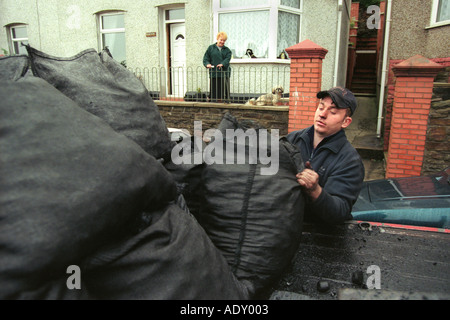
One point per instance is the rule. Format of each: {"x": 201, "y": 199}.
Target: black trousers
{"x": 219, "y": 88}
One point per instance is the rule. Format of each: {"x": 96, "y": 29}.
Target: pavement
{"x": 362, "y": 135}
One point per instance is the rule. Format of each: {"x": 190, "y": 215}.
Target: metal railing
{"x": 239, "y": 85}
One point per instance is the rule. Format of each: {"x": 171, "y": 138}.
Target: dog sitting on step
{"x": 270, "y": 99}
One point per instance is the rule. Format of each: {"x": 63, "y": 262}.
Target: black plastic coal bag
{"x": 186, "y": 165}
{"x": 171, "y": 258}
{"x": 105, "y": 88}
{"x": 68, "y": 184}
{"x": 252, "y": 206}
{"x": 13, "y": 67}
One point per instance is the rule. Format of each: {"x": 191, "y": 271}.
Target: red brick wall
{"x": 409, "y": 126}
{"x": 305, "y": 82}
{"x": 410, "y": 114}
{"x": 354, "y": 16}
{"x": 390, "y": 94}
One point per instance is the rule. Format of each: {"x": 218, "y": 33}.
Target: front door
{"x": 178, "y": 59}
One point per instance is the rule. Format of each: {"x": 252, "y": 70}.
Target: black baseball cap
{"x": 342, "y": 98}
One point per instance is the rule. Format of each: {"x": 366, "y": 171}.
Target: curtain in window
{"x": 240, "y": 3}
{"x": 443, "y": 10}
{"x": 113, "y": 21}
{"x": 19, "y": 32}
{"x": 113, "y": 37}
{"x": 291, "y": 3}
{"x": 19, "y": 49}
{"x": 246, "y": 30}
{"x": 116, "y": 45}
{"x": 288, "y": 29}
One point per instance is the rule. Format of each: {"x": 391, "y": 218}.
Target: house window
{"x": 18, "y": 35}
{"x": 266, "y": 27}
{"x": 175, "y": 14}
{"x": 112, "y": 34}
{"x": 440, "y": 13}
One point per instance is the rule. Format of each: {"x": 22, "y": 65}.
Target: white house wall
{"x": 320, "y": 26}
{"x": 64, "y": 28}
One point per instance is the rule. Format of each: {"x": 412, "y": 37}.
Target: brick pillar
{"x": 305, "y": 81}
{"x": 409, "y": 123}
{"x": 354, "y": 18}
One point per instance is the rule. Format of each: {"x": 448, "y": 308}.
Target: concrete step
{"x": 374, "y": 169}
{"x": 363, "y": 89}
{"x": 363, "y": 82}
{"x": 370, "y": 90}
{"x": 365, "y": 74}
{"x": 366, "y": 44}
{"x": 362, "y": 135}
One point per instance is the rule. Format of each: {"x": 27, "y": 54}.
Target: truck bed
{"x": 332, "y": 263}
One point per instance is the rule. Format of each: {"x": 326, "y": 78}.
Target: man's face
{"x": 221, "y": 42}
{"x": 329, "y": 119}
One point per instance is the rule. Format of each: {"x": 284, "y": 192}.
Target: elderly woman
{"x": 217, "y": 59}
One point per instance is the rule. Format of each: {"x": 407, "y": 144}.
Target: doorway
{"x": 177, "y": 59}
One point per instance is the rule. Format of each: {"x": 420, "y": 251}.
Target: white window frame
{"x": 108, "y": 31}
{"x": 13, "y": 40}
{"x": 273, "y": 7}
{"x": 434, "y": 11}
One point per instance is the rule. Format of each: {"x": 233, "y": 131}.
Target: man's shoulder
{"x": 297, "y": 136}
{"x": 298, "y": 133}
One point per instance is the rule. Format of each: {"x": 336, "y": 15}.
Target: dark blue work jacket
{"x": 341, "y": 174}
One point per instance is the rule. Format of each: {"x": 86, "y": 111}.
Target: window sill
{"x": 438, "y": 24}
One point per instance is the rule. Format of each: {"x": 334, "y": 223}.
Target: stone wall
{"x": 437, "y": 147}
{"x": 182, "y": 115}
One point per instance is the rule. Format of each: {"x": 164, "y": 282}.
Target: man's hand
{"x": 309, "y": 180}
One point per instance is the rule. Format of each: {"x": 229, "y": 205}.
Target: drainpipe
{"x": 384, "y": 68}
{"x": 338, "y": 43}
